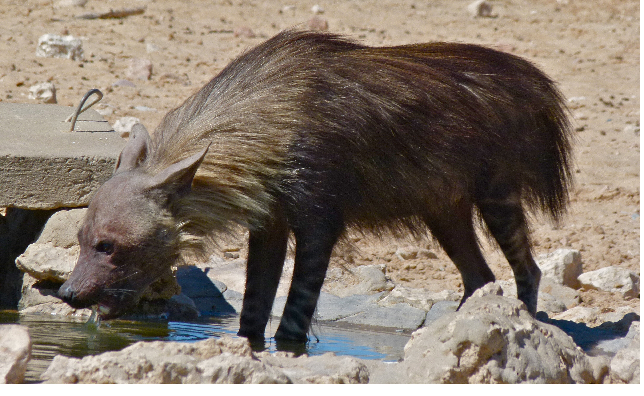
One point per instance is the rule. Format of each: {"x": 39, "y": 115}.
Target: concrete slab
{"x": 43, "y": 165}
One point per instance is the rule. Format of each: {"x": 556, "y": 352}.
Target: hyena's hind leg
{"x": 504, "y": 215}
{"x": 454, "y": 230}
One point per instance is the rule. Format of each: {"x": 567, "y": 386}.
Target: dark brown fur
{"x": 310, "y": 133}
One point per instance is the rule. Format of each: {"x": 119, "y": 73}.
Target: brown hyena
{"x": 310, "y": 134}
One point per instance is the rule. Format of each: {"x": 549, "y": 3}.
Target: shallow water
{"x": 51, "y": 336}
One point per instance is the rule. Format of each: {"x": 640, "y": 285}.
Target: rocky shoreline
{"x": 492, "y": 339}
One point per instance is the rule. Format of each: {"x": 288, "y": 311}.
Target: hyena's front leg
{"x": 314, "y": 244}
{"x": 266, "y": 254}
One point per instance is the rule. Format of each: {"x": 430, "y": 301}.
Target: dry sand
{"x": 590, "y": 48}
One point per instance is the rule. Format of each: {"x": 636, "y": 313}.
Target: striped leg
{"x": 314, "y": 245}
{"x": 454, "y": 231}
{"x": 266, "y": 254}
{"x": 503, "y": 213}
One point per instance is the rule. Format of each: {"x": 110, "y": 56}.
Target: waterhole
{"x": 51, "y": 336}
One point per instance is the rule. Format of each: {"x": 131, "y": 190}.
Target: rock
{"x": 554, "y": 297}
{"x": 617, "y": 314}
{"x": 43, "y": 92}
{"x": 224, "y": 360}
{"x": 578, "y": 314}
{"x": 144, "y": 108}
{"x": 123, "y": 126}
{"x": 123, "y": 83}
{"x": 426, "y": 254}
{"x": 287, "y": 8}
{"x": 604, "y": 339}
{"x": 332, "y": 308}
{"x": 339, "y": 281}
{"x": 491, "y": 288}
{"x": 230, "y": 272}
{"x": 235, "y": 299}
{"x": 15, "y": 352}
{"x": 371, "y": 279}
{"x": 614, "y": 280}
{"x": 318, "y": 23}
{"x": 175, "y": 78}
{"x": 325, "y": 369}
{"x": 70, "y": 3}
{"x": 417, "y": 298}
{"x": 440, "y": 309}
{"x": 151, "y": 47}
{"x": 363, "y": 279}
{"x": 244, "y": 32}
{"x": 317, "y": 9}
{"x": 40, "y": 297}
{"x": 563, "y": 295}
{"x": 399, "y": 316}
{"x": 62, "y": 227}
{"x": 445, "y": 295}
{"x": 55, "y": 46}
{"x": 550, "y": 304}
{"x": 616, "y": 337}
{"x": 182, "y": 307}
{"x": 231, "y": 369}
{"x": 480, "y": 9}
{"x": 406, "y": 253}
{"x": 48, "y": 262}
{"x": 44, "y": 261}
{"x": 562, "y": 265}
{"x": 625, "y": 365}
{"x": 139, "y": 68}
{"x": 411, "y": 252}
{"x": 631, "y": 129}
{"x": 493, "y": 339}
{"x": 53, "y": 256}
{"x": 203, "y": 291}
{"x": 231, "y": 255}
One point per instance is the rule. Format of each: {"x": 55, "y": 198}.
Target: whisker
{"x": 121, "y": 291}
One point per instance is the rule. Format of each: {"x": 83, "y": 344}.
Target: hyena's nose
{"x": 67, "y": 293}
{"x": 75, "y": 296}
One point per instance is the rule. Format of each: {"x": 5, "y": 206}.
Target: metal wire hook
{"x": 80, "y": 108}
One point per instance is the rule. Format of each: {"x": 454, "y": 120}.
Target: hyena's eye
{"x": 105, "y": 247}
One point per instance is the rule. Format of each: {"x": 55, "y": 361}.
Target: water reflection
{"x": 52, "y": 335}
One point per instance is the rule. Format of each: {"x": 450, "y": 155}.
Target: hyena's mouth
{"x": 103, "y": 310}
{"x": 109, "y": 309}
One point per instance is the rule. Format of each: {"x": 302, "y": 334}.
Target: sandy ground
{"x": 590, "y": 48}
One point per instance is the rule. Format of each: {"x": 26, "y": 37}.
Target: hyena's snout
{"x": 69, "y": 293}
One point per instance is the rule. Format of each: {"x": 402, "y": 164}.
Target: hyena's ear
{"x": 135, "y": 151}
{"x": 175, "y": 181}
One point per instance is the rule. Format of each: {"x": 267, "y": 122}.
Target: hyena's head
{"x": 128, "y": 238}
